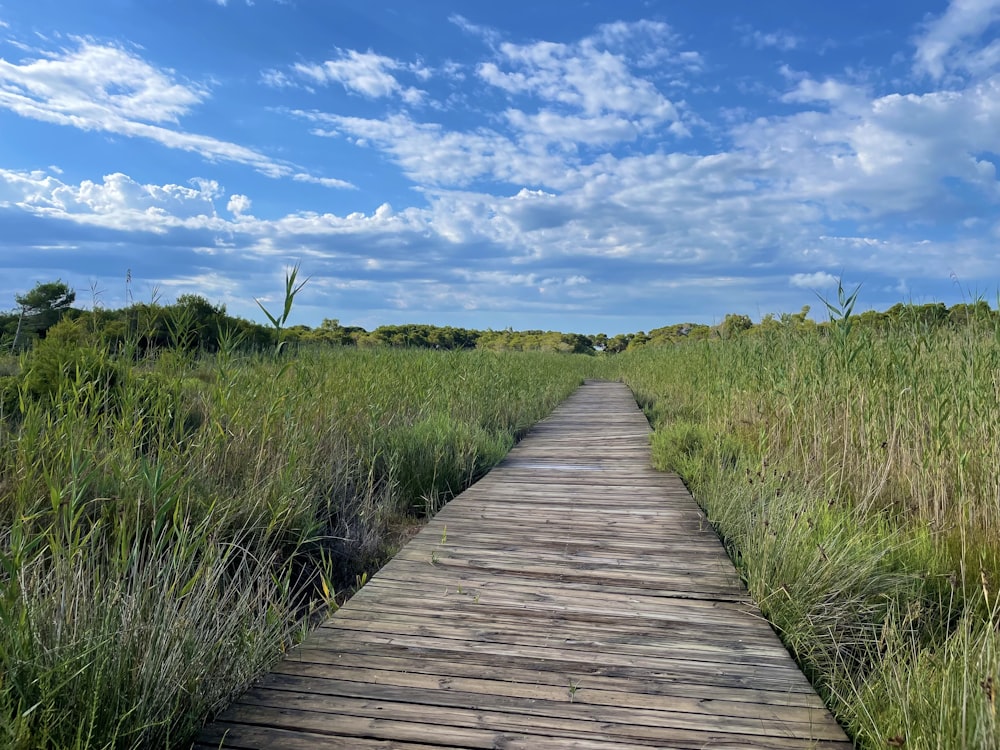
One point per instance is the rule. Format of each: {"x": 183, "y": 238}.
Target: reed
{"x": 853, "y": 478}
{"x": 170, "y": 525}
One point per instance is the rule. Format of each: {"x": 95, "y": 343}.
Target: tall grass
{"x": 854, "y": 478}
{"x": 169, "y": 526}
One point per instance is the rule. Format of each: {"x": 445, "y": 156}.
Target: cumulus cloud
{"x": 591, "y": 91}
{"x": 569, "y": 129}
{"x": 867, "y": 157}
{"x": 570, "y": 97}
{"x": 116, "y": 202}
{"x": 96, "y": 85}
{"x": 238, "y": 205}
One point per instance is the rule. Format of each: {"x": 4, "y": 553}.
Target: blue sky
{"x": 574, "y": 166}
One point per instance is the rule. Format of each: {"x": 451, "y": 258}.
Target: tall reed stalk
{"x": 170, "y": 525}
{"x": 854, "y": 478}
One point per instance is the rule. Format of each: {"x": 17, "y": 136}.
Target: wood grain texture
{"x": 573, "y": 598}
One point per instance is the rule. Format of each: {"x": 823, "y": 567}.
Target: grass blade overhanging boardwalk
{"x": 573, "y": 598}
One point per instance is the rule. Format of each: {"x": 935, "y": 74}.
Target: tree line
{"x": 191, "y": 322}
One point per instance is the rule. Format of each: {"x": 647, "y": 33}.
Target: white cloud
{"x": 828, "y": 91}
{"x": 588, "y": 92}
{"x": 583, "y": 76}
{"x": 648, "y": 44}
{"x": 429, "y": 153}
{"x": 117, "y": 202}
{"x": 107, "y": 88}
{"x": 365, "y": 73}
{"x": 330, "y": 182}
{"x": 946, "y": 40}
{"x": 211, "y": 285}
{"x": 238, "y": 205}
{"x": 818, "y": 279}
{"x": 276, "y": 79}
{"x": 762, "y": 204}
{"x": 96, "y": 84}
{"x": 568, "y": 129}
{"x": 783, "y": 41}
{"x": 538, "y": 198}
{"x": 487, "y": 34}
{"x": 875, "y": 157}
{"x": 590, "y": 97}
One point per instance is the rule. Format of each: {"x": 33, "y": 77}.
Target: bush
{"x": 66, "y": 362}
{"x": 58, "y": 367}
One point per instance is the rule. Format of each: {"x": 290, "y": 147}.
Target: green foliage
{"x": 159, "y": 551}
{"x": 292, "y": 288}
{"x": 53, "y": 296}
{"x": 60, "y": 367}
{"x": 9, "y": 396}
{"x": 40, "y": 309}
{"x": 853, "y": 477}
{"x": 734, "y": 325}
{"x": 535, "y": 341}
{"x": 437, "y": 457}
{"x": 46, "y": 302}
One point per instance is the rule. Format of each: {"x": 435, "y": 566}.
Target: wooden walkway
{"x": 573, "y": 598}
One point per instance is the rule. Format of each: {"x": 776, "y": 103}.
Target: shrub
{"x": 58, "y": 367}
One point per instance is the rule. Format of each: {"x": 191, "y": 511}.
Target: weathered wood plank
{"x": 573, "y": 598}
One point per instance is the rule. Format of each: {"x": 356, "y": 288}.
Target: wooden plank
{"x": 573, "y": 598}
{"x": 437, "y": 676}
{"x": 552, "y": 706}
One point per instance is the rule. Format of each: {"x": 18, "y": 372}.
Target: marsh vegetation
{"x": 171, "y": 524}
{"x": 182, "y": 497}
{"x": 854, "y": 478}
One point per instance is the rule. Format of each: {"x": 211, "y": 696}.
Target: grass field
{"x": 169, "y": 527}
{"x": 854, "y": 478}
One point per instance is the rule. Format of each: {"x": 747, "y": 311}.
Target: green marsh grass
{"x": 854, "y": 479}
{"x": 170, "y": 525}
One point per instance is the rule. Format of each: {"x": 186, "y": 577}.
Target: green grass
{"x": 170, "y": 526}
{"x": 854, "y": 479}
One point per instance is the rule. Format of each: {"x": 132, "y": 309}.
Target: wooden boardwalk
{"x": 573, "y": 598}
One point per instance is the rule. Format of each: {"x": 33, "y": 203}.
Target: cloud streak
{"x": 108, "y": 88}
{"x": 947, "y": 42}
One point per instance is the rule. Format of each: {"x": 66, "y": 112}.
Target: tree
{"x": 42, "y": 307}
{"x": 618, "y": 343}
{"x": 734, "y": 324}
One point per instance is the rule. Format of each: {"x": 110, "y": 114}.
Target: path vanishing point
{"x": 572, "y": 598}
